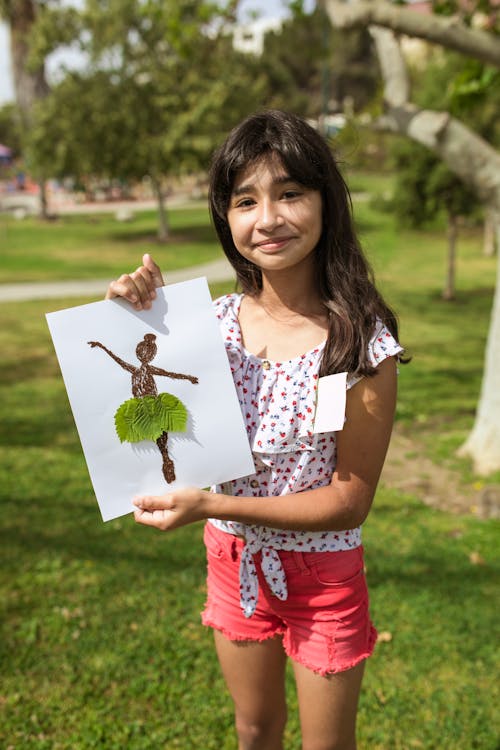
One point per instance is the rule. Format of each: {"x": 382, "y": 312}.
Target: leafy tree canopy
{"x": 158, "y": 93}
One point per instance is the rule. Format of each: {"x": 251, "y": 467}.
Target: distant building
{"x": 249, "y": 37}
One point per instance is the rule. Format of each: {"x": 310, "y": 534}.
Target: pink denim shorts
{"x": 324, "y": 623}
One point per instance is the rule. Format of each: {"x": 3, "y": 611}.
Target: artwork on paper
{"x": 152, "y": 395}
{"x": 149, "y": 415}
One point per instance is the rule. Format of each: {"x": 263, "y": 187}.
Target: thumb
{"x": 154, "y": 269}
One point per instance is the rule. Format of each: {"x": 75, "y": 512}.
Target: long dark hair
{"x": 343, "y": 276}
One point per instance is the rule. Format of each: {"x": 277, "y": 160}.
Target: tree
{"x": 35, "y": 29}
{"x": 157, "y": 95}
{"x": 312, "y": 71}
{"x": 30, "y": 84}
{"x": 10, "y": 128}
{"x": 424, "y": 188}
{"x": 466, "y": 153}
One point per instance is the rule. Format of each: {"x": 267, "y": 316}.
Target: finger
{"x": 123, "y": 287}
{"x": 145, "y": 286}
{"x": 157, "y": 518}
{"x": 154, "y": 269}
{"x": 153, "y": 502}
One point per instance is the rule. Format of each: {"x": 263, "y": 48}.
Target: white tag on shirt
{"x": 330, "y": 405}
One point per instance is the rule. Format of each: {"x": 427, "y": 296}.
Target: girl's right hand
{"x": 139, "y": 287}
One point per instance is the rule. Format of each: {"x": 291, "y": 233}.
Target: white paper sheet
{"x": 213, "y": 449}
{"x": 330, "y": 407}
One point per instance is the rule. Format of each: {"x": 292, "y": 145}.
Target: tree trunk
{"x": 30, "y": 85}
{"x": 43, "y": 207}
{"x": 483, "y": 443}
{"x": 449, "y": 288}
{"x": 489, "y": 236}
{"x": 163, "y": 226}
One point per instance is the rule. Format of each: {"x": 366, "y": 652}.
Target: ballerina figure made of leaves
{"x": 149, "y": 415}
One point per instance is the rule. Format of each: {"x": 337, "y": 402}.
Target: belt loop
{"x": 301, "y": 563}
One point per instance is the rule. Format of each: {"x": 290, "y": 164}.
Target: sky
{"x": 266, "y": 8}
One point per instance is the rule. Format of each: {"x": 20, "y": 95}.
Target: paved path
{"x": 217, "y": 270}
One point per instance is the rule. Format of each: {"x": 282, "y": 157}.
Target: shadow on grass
{"x": 449, "y": 576}
{"x": 120, "y": 545}
{"x": 438, "y": 554}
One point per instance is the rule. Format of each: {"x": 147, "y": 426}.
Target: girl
{"x": 285, "y": 563}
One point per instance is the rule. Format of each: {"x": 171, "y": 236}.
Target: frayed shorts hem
{"x": 237, "y": 637}
{"x": 324, "y": 622}
{"x": 323, "y": 670}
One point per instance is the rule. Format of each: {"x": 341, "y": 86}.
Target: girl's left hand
{"x": 172, "y": 510}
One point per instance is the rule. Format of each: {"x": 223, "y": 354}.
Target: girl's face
{"x": 275, "y": 222}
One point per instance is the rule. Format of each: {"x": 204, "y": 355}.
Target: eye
{"x": 291, "y": 193}
{"x": 244, "y": 203}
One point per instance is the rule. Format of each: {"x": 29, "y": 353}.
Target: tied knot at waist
{"x": 269, "y": 542}
{"x": 272, "y": 570}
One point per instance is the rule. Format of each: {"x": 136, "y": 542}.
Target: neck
{"x": 294, "y": 291}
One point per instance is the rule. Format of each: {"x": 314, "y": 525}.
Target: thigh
{"x": 255, "y": 675}
{"x": 327, "y": 611}
{"x": 328, "y": 706}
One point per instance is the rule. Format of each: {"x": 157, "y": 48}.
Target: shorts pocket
{"x": 213, "y": 543}
{"x": 336, "y": 569}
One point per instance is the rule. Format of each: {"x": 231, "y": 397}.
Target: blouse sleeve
{"x": 381, "y": 346}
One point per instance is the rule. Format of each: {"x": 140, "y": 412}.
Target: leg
{"x": 328, "y": 706}
{"x": 168, "y": 464}
{"x": 255, "y": 675}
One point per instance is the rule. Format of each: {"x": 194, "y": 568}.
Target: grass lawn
{"x": 101, "y": 644}
{"x": 97, "y": 246}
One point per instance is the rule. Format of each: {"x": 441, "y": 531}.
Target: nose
{"x": 269, "y": 216}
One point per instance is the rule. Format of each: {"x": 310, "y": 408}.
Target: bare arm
{"x": 139, "y": 287}
{"x": 121, "y": 362}
{"x": 343, "y": 504}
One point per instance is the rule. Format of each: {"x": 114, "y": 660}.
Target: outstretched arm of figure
{"x": 121, "y": 362}
{"x": 176, "y": 375}
{"x": 342, "y": 504}
{"x": 138, "y": 287}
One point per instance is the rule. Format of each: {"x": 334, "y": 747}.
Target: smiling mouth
{"x": 272, "y": 243}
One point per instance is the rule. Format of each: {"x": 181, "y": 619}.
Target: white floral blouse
{"x": 278, "y": 401}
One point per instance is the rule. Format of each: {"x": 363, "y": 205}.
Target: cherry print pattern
{"x": 278, "y": 401}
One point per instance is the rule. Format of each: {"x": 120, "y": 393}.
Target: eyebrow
{"x": 249, "y": 188}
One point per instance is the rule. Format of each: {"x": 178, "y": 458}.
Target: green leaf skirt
{"x": 148, "y": 417}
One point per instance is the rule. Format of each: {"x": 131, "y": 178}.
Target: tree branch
{"x": 446, "y": 31}
{"x": 466, "y": 154}
{"x": 392, "y": 66}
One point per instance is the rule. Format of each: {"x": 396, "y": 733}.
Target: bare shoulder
{"x": 377, "y": 393}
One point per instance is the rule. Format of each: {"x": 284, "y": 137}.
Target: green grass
{"x": 97, "y": 246}
{"x": 100, "y": 641}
